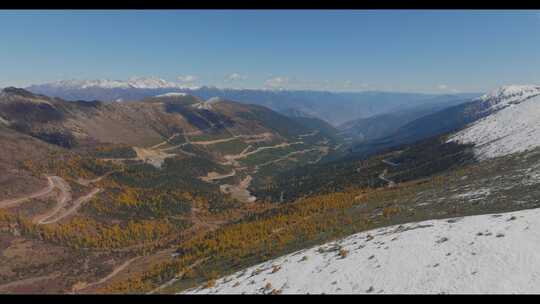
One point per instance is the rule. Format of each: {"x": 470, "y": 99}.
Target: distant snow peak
{"x": 507, "y": 95}
{"x": 509, "y": 91}
{"x": 513, "y": 128}
{"x": 132, "y": 82}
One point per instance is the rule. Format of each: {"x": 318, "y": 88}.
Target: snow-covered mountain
{"x": 513, "y": 123}
{"x": 508, "y": 95}
{"x": 489, "y": 111}
{"x": 133, "y": 82}
{"x": 492, "y": 253}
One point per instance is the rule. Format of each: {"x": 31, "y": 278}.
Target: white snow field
{"x": 515, "y": 127}
{"x": 493, "y": 253}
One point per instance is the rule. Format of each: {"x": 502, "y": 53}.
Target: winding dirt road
{"x": 64, "y": 198}
{"x": 55, "y": 216}
{"x": 382, "y": 175}
{"x": 15, "y": 201}
{"x": 115, "y": 271}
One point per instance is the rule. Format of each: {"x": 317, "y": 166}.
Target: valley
{"x": 179, "y": 195}
{"x": 269, "y": 152}
{"x": 128, "y": 195}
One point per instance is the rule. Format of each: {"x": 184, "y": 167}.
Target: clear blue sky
{"x": 422, "y": 51}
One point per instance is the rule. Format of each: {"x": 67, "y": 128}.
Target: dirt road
{"x": 309, "y": 134}
{"x": 15, "y": 201}
{"x": 79, "y": 287}
{"x": 382, "y": 176}
{"x": 211, "y": 142}
{"x": 212, "y": 176}
{"x": 87, "y": 182}
{"x": 64, "y": 198}
{"x": 178, "y": 276}
{"x": 259, "y": 149}
{"x": 56, "y": 216}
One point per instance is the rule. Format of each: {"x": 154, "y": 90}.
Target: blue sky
{"x": 420, "y": 51}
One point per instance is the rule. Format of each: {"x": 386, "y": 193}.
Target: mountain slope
{"x": 504, "y": 121}
{"x": 514, "y": 127}
{"x": 138, "y": 122}
{"x": 450, "y": 119}
{"x": 229, "y": 136}
{"x": 115, "y": 187}
{"x": 476, "y": 254}
{"x": 382, "y": 125}
{"x": 429, "y": 179}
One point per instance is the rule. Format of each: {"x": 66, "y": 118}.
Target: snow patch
{"x": 474, "y": 254}
{"x": 172, "y": 94}
{"x": 4, "y": 121}
{"x": 474, "y": 195}
{"x": 207, "y": 105}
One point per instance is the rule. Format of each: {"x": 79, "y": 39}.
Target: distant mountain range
{"x": 382, "y": 125}
{"x": 333, "y": 107}
{"x": 450, "y": 119}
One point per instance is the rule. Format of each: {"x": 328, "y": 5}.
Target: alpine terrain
{"x": 467, "y": 227}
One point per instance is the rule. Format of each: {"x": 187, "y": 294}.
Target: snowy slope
{"x": 513, "y": 126}
{"x": 508, "y": 95}
{"x": 477, "y": 254}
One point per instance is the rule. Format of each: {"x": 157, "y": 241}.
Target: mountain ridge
{"x": 334, "y": 107}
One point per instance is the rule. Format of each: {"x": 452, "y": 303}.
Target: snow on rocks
{"x": 474, "y": 195}
{"x": 207, "y": 105}
{"x": 495, "y": 253}
{"x": 514, "y": 128}
{"x": 507, "y": 95}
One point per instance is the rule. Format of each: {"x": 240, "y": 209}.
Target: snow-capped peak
{"x": 512, "y": 124}
{"x": 133, "y": 82}
{"x": 172, "y": 94}
{"x": 150, "y": 83}
{"x": 507, "y": 95}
